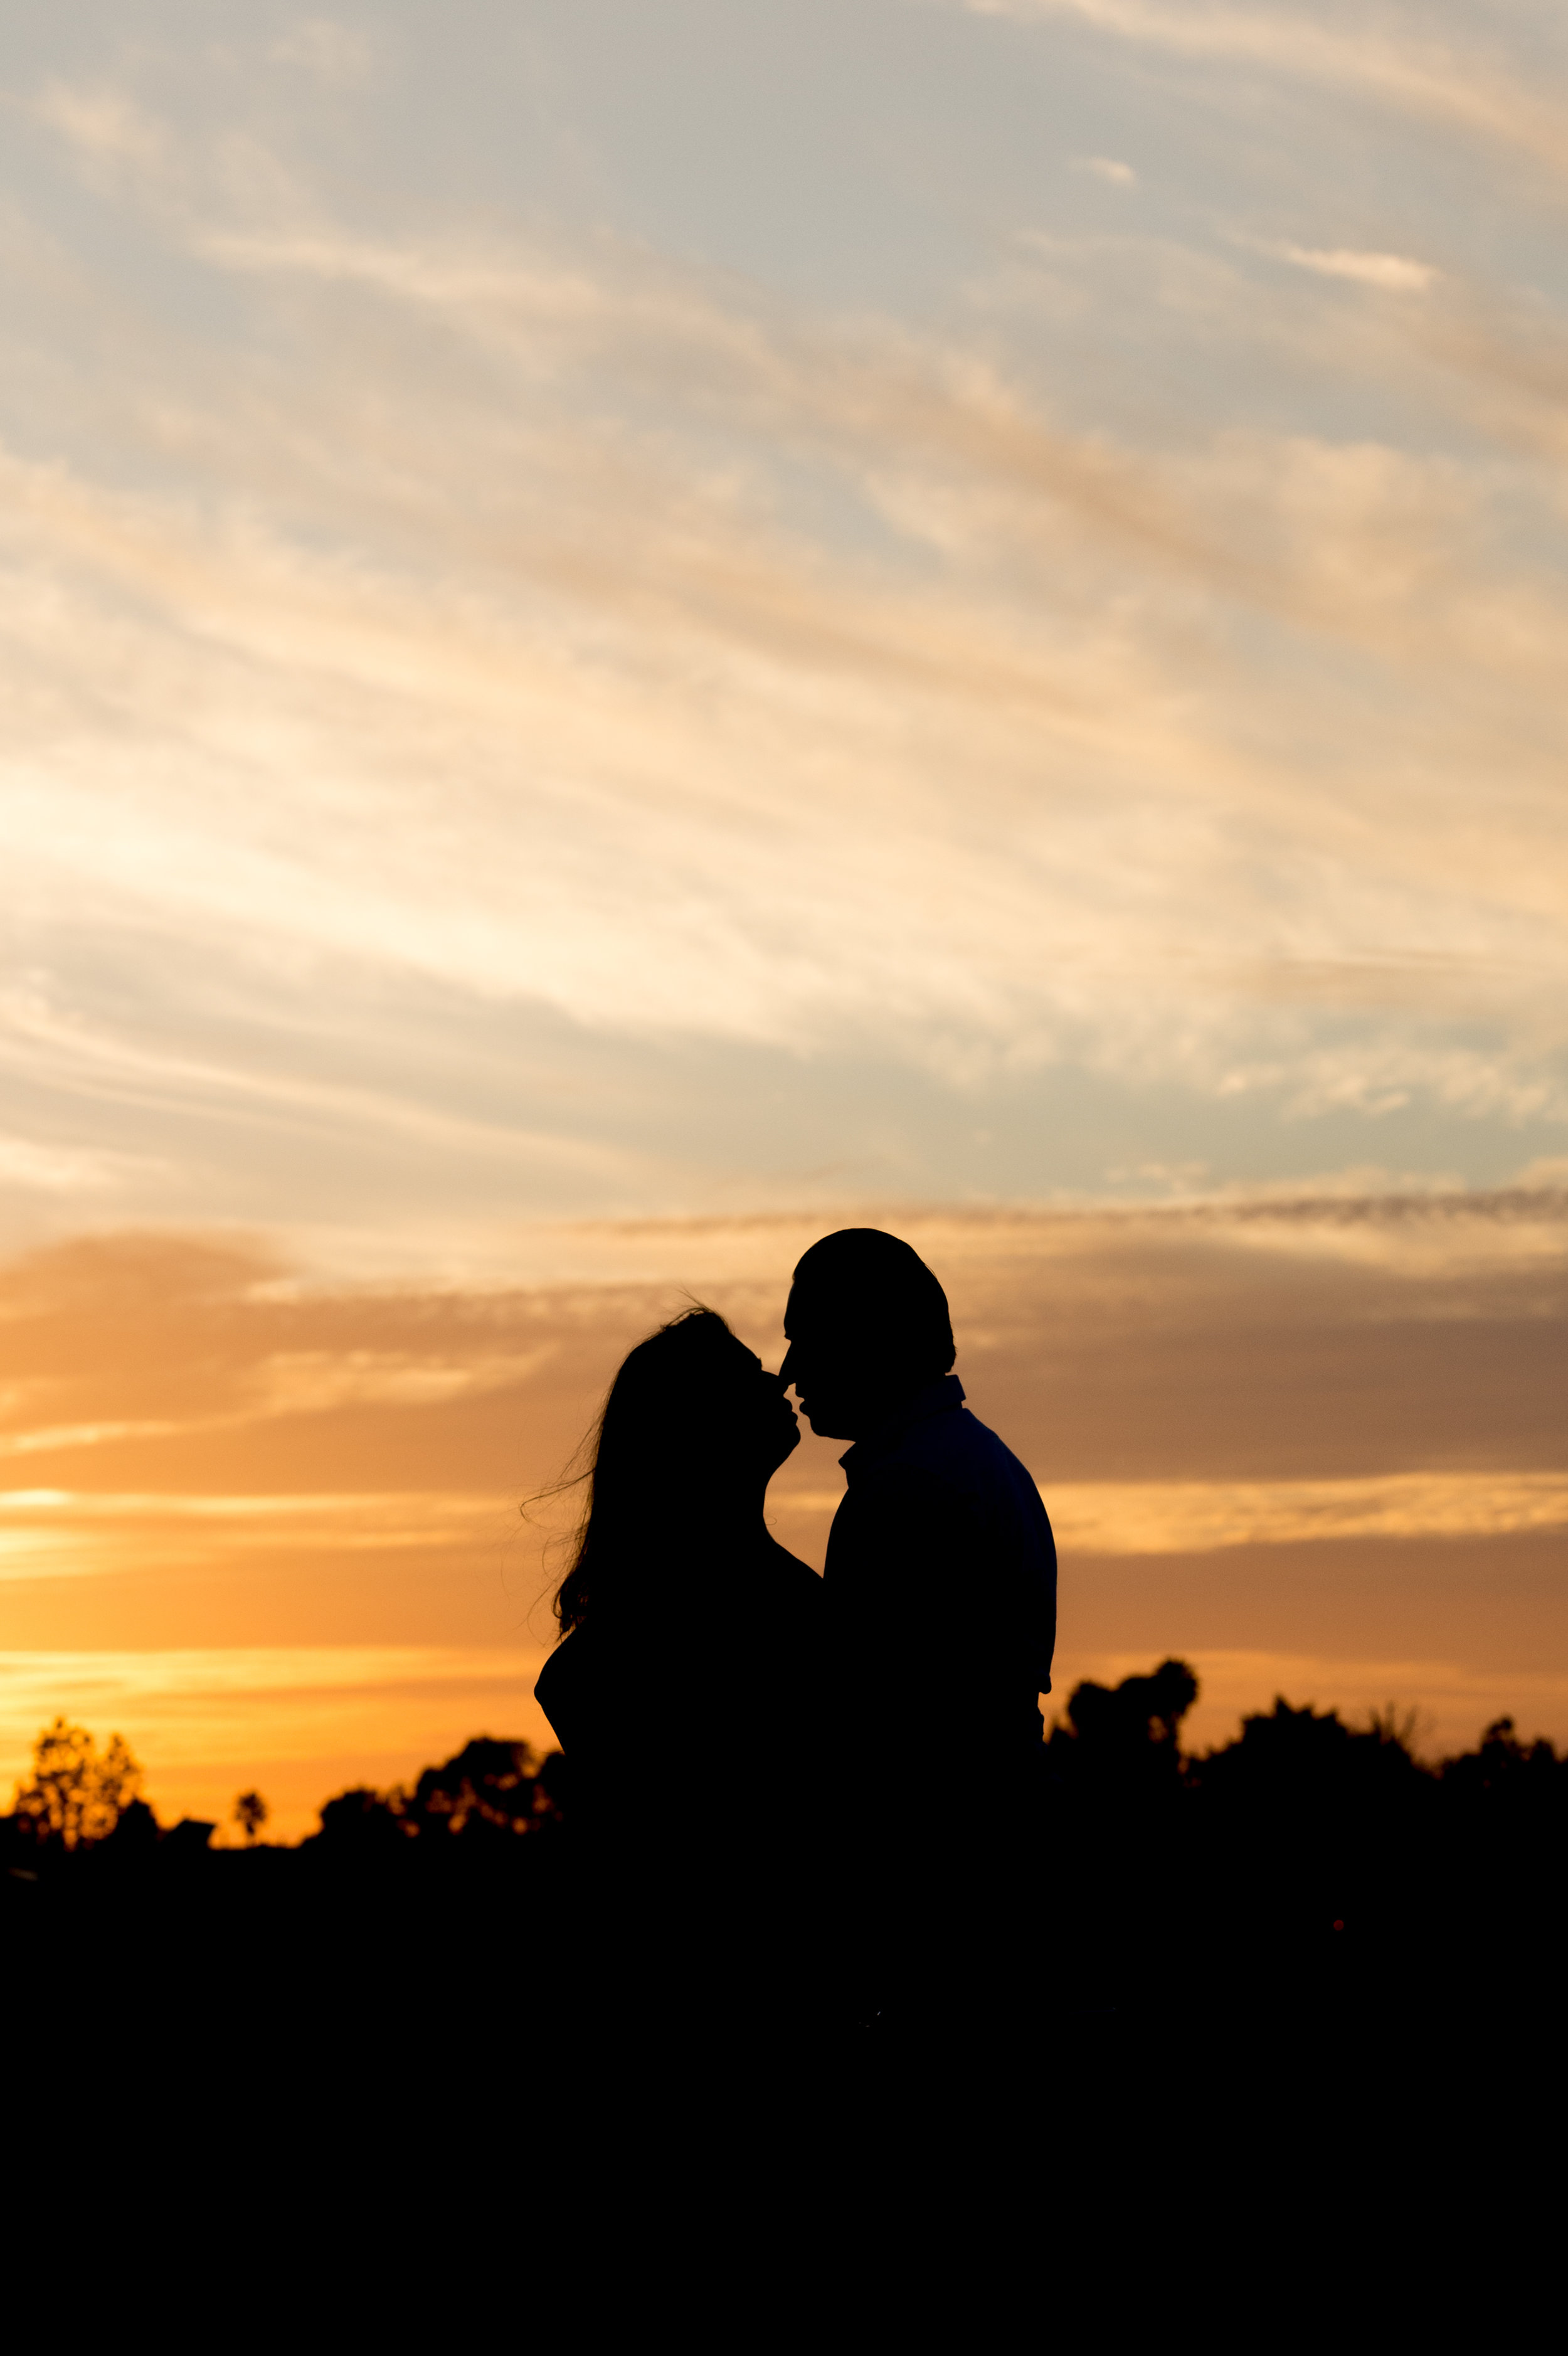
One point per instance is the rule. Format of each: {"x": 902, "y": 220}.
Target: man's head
{"x": 867, "y": 1326}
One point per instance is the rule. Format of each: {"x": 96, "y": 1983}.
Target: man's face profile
{"x": 834, "y": 1366}
{"x": 867, "y": 1325}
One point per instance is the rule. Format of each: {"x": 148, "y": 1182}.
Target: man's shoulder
{"x": 959, "y": 1447}
{"x": 953, "y": 1467}
{"x": 951, "y": 1463}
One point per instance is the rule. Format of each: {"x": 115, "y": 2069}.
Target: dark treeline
{"x": 1308, "y": 1858}
{"x": 1281, "y": 1985}
{"x": 392, "y": 1958}
{"x": 84, "y": 1816}
{"x": 1282, "y": 1975}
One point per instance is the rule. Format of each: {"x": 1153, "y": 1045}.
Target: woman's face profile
{"x": 765, "y": 1427}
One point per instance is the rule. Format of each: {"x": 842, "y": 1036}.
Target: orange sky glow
{"x": 270, "y": 1531}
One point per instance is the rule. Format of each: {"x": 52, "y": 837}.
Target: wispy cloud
{"x": 1198, "y": 1517}
{"x": 1465, "y": 85}
{"x": 527, "y": 621}
{"x": 104, "y": 127}
{"x": 57, "y": 1169}
{"x": 1394, "y": 271}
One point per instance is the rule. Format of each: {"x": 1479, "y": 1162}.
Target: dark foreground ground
{"x": 1305, "y": 1927}
{"x": 1287, "y": 2064}
{"x": 1293, "y": 2070}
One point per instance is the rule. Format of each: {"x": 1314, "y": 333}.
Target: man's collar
{"x": 943, "y": 1397}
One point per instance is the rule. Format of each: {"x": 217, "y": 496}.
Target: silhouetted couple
{"x": 804, "y": 1798}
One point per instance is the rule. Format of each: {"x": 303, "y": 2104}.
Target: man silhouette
{"x": 940, "y": 1578}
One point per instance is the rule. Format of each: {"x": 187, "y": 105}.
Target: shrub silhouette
{"x": 362, "y": 1822}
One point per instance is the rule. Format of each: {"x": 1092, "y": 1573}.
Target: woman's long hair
{"x": 682, "y": 1376}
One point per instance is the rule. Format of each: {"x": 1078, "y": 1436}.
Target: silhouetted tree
{"x": 489, "y": 1787}
{"x": 489, "y": 1790}
{"x": 251, "y": 1812}
{"x": 1127, "y": 1736}
{"x": 76, "y": 1797}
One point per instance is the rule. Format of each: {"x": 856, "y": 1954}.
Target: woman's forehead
{"x": 739, "y": 1355}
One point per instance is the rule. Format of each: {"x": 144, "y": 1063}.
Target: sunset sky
{"x": 633, "y": 630}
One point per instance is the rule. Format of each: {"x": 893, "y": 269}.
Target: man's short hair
{"x": 865, "y": 1281}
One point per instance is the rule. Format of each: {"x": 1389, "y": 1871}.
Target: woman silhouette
{"x": 685, "y": 1690}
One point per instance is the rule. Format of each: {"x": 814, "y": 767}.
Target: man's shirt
{"x": 942, "y": 1576}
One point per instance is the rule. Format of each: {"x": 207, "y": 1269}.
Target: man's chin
{"x": 825, "y": 1423}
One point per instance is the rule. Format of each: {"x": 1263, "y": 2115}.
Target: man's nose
{"x": 787, "y": 1371}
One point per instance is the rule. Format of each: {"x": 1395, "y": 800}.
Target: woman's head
{"x": 692, "y": 1429}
